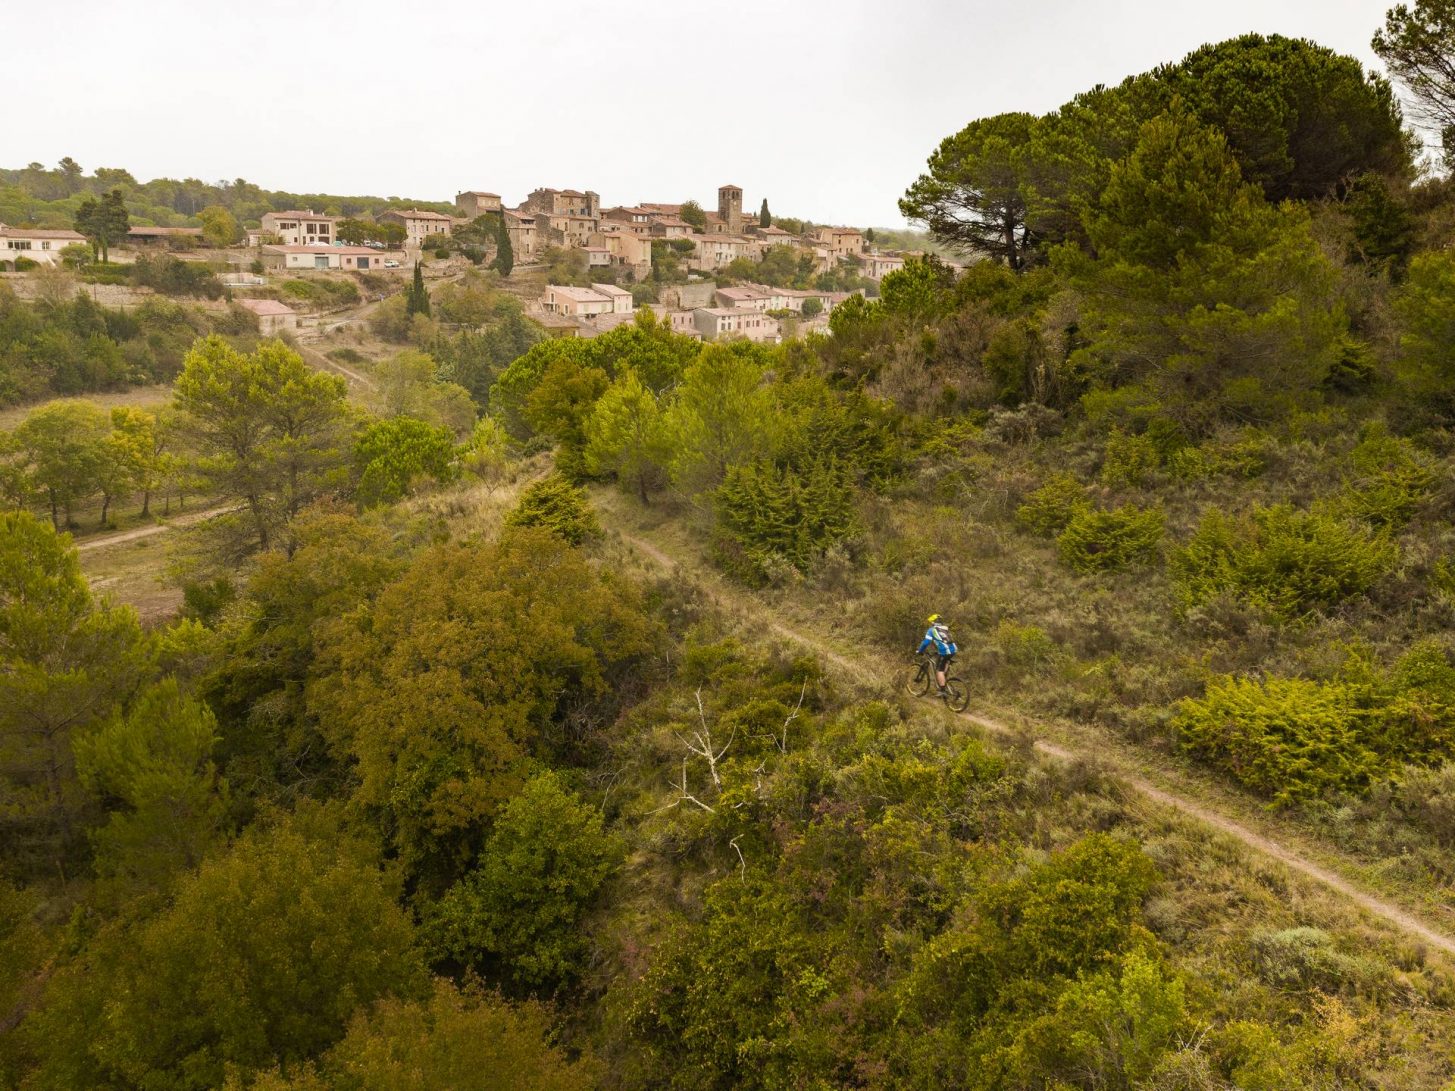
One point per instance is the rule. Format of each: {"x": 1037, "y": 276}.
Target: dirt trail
{"x": 147, "y": 531}
{"x": 324, "y": 363}
{"x": 868, "y": 672}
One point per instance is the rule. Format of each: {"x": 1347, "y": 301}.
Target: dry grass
{"x": 134, "y": 573}
{"x": 1218, "y": 901}
{"x": 143, "y": 397}
{"x": 1099, "y": 661}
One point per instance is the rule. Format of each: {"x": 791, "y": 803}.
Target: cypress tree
{"x": 765, "y": 218}
{"x": 504, "y": 255}
{"x": 417, "y": 302}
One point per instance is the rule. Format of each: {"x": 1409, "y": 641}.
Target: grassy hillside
{"x": 535, "y": 714}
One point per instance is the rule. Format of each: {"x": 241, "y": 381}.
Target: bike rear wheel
{"x": 957, "y": 694}
{"x": 918, "y": 682}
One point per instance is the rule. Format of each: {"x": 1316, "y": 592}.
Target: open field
{"x": 145, "y": 397}
{"x": 133, "y": 571}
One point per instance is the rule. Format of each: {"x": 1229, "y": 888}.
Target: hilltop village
{"x": 712, "y": 273}
{"x": 620, "y": 244}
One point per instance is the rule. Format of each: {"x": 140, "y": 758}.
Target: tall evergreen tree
{"x": 504, "y": 254}
{"x": 765, "y": 218}
{"x": 103, "y": 222}
{"x": 417, "y": 301}
{"x": 1418, "y": 46}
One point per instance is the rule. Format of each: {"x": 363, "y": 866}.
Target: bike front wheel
{"x": 957, "y": 695}
{"x": 918, "y": 682}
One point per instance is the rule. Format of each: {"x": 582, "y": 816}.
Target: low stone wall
{"x": 111, "y": 295}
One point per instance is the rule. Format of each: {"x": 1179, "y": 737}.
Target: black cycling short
{"x": 942, "y": 662}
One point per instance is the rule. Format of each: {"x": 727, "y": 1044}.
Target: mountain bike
{"x": 922, "y": 679}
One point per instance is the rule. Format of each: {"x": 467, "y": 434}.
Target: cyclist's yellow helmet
{"x": 932, "y": 619}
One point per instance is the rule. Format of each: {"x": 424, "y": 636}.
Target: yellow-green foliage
{"x": 1027, "y": 647}
{"x": 1332, "y": 1041}
{"x": 1098, "y": 541}
{"x": 555, "y": 504}
{"x": 1243, "y": 458}
{"x": 1293, "y": 738}
{"x": 1392, "y": 479}
{"x": 1129, "y": 459}
{"x": 1442, "y": 578}
{"x": 1050, "y": 509}
{"x": 1286, "y": 738}
{"x": 1305, "y": 959}
{"x": 786, "y": 514}
{"x": 1285, "y": 562}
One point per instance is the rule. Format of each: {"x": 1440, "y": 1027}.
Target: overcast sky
{"x": 826, "y": 107}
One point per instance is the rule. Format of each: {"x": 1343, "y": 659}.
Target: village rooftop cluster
{"x": 617, "y": 243}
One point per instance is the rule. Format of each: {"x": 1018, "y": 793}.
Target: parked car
{"x": 390, "y": 263}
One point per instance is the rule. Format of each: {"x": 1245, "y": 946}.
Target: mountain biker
{"x": 938, "y": 634}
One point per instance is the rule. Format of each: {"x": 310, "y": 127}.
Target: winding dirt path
{"x": 866, "y": 671}
{"x": 324, "y": 363}
{"x": 102, "y": 541}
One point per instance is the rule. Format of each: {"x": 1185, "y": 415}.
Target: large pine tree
{"x": 103, "y": 222}
{"x": 765, "y": 218}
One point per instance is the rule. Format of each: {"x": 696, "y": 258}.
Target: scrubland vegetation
{"x": 437, "y": 784}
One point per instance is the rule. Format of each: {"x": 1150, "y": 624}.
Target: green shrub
{"x": 518, "y": 914}
{"x": 786, "y": 514}
{"x": 1099, "y": 541}
{"x": 1244, "y": 458}
{"x": 391, "y": 455}
{"x": 1306, "y": 959}
{"x": 1284, "y": 562}
{"x": 1428, "y": 797}
{"x": 1129, "y": 459}
{"x": 174, "y": 277}
{"x": 1286, "y": 738}
{"x": 205, "y": 600}
{"x": 1292, "y": 738}
{"x": 103, "y": 273}
{"x": 1392, "y": 480}
{"x": 1049, "y": 510}
{"x": 322, "y": 292}
{"x": 1354, "y": 369}
{"x": 1027, "y": 647}
{"x": 1442, "y": 578}
{"x": 1417, "y": 704}
{"x": 558, "y": 506}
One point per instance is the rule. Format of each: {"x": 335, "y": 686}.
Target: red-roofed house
{"x": 418, "y": 224}
{"x": 732, "y": 322}
{"x": 39, "y": 244}
{"x": 145, "y": 235}
{"x": 878, "y": 266}
{"x": 273, "y": 317}
{"x": 842, "y": 242}
{"x": 476, "y": 202}
{"x": 564, "y": 202}
{"x": 297, "y": 228}
{"x": 576, "y": 302}
{"x": 524, "y": 239}
{"x": 348, "y": 258}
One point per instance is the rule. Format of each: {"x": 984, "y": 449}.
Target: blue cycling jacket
{"x": 938, "y": 635}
